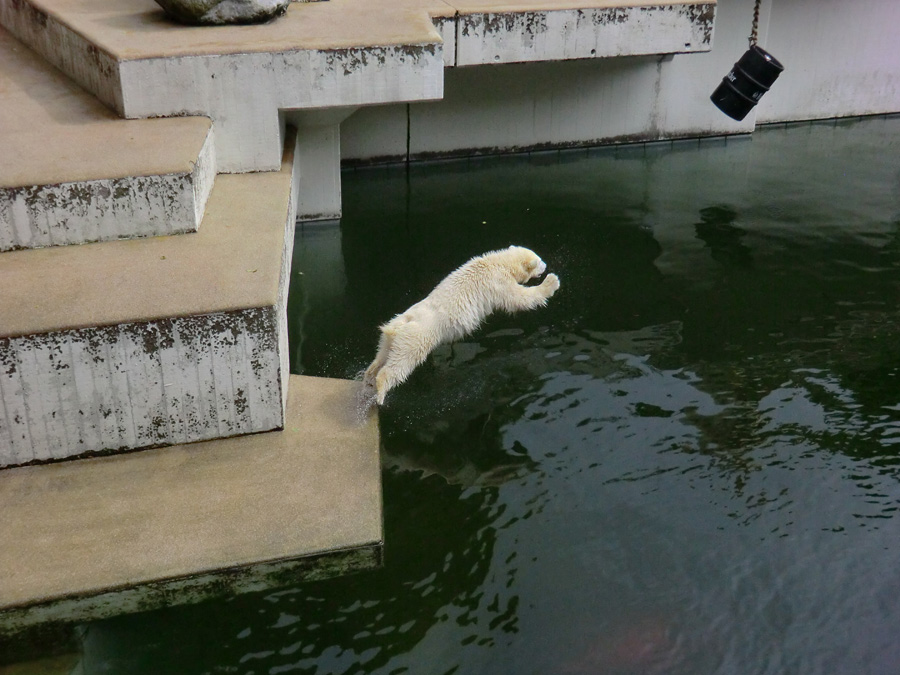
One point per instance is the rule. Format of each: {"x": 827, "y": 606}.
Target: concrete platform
{"x": 73, "y": 172}
{"x": 341, "y": 53}
{"x": 136, "y": 343}
{"x": 98, "y": 537}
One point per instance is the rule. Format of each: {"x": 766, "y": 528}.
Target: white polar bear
{"x": 457, "y": 306}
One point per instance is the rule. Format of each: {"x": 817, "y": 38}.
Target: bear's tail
{"x": 392, "y": 327}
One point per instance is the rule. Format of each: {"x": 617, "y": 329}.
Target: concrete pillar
{"x": 319, "y": 161}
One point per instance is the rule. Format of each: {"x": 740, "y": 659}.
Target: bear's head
{"x": 526, "y": 264}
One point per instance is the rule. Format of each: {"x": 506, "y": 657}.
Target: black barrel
{"x": 750, "y": 78}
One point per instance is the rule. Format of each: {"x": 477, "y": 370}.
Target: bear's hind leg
{"x": 384, "y": 348}
{"x": 389, "y": 377}
{"x": 384, "y": 382}
{"x": 406, "y": 353}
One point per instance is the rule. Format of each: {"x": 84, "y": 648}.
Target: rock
{"x": 218, "y": 12}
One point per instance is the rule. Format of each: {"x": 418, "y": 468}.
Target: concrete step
{"x": 138, "y": 343}
{"x": 97, "y": 537}
{"x": 73, "y": 172}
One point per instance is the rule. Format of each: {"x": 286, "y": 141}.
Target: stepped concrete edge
{"x": 73, "y": 172}
{"x": 135, "y": 532}
{"x": 111, "y": 360}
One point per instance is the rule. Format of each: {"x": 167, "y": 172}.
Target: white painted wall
{"x": 841, "y": 57}
{"x": 528, "y": 105}
{"x": 514, "y": 107}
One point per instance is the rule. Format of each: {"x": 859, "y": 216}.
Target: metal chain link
{"x": 753, "y": 32}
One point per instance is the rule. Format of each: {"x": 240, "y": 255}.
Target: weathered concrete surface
{"x": 136, "y": 385}
{"x": 554, "y": 30}
{"x": 98, "y": 537}
{"x": 128, "y": 344}
{"x": 72, "y": 172}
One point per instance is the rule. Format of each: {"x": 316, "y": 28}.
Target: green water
{"x": 687, "y": 463}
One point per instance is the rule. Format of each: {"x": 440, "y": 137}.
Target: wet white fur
{"x": 456, "y": 307}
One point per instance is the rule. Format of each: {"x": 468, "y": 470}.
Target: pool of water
{"x": 688, "y": 462}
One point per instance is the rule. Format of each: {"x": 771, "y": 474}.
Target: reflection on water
{"x": 687, "y": 463}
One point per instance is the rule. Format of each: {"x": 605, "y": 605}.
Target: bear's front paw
{"x": 550, "y": 284}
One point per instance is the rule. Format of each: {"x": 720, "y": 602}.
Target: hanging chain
{"x": 753, "y": 32}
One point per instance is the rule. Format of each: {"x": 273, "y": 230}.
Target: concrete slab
{"x": 73, "y": 172}
{"x": 136, "y": 343}
{"x": 98, "y": 537}
{"x": 233, "y": 262}
{"x": 500, "y": 31}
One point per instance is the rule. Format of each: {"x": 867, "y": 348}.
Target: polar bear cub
{"x": 457, "y": 306}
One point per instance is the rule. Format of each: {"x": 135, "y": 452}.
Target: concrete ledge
{"x": 99, "y": 537}
{"x": 557, "y": 30}
{"x": 73, "y": 172}
{"x": 129, "y": 344}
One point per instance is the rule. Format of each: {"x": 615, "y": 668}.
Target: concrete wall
{"x": 135, "y": 385}
{"x": 842, "y": 58}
